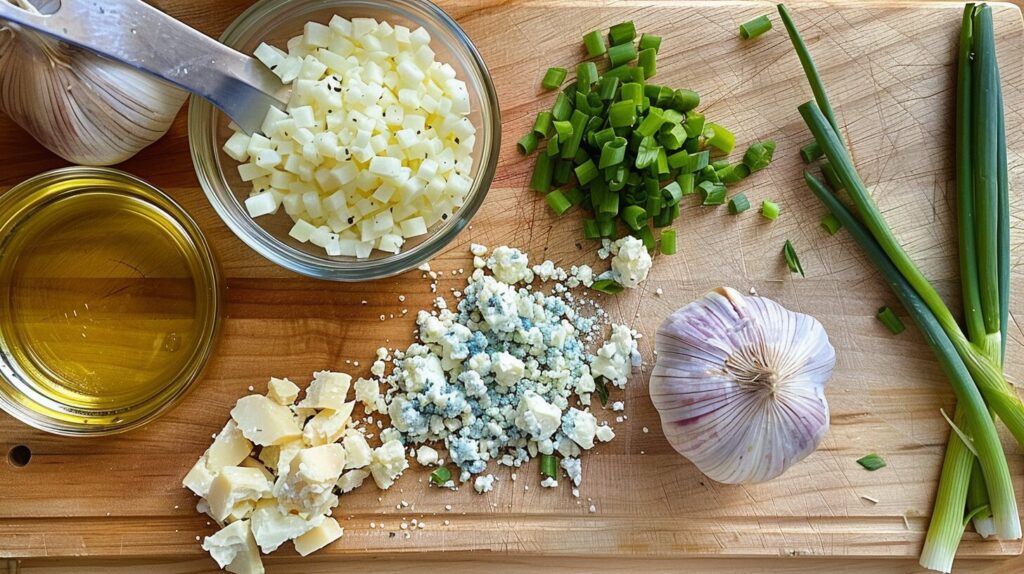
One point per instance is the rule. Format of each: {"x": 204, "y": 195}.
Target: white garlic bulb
{"x": 82, "y": 107}
{"x": 739, "y": 383}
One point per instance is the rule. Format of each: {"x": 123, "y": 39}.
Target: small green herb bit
{"x": 650, "y": 42}
{"x": 811, "y": 152}
{"x": 668, "y": 242}
{"x": 558, "y": 202}
{"x": 549, "y": 465}
{"x": 890, "y": 320}
{"x": 607, "y": 286}
{"x": 542, "y": 125}
{"x": 527, "y": 144}
{"x": 738, "y": 204}
{"x": 441, "y": 476}
{"x": 622, "y": 33}
{"x": 553, "y": 78}
{"x": 754, "y": 28}
{"x": 831, "y": 224}
{"x": 792, "y": 261}
{"x": 770, "y": 210}
{"x": 759, "y": 155}
{"x": 871, "y": 462}
{"x": 594, "y": 43}
{"x": 621, "y": 54}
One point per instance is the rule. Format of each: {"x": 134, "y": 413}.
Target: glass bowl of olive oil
{"x": 110, "y": 301}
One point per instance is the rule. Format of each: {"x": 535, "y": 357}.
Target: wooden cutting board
{"x": 889, "y": 68}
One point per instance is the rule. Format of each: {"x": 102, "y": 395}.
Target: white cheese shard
{"x": 264, "y": 421}
{"x": 228, "y": 449}
{"x": 327, "y": 426}
{"x": 312, "y": 474}
{"x": 615, "y": 358}
{"x": 327, "y": 391}
{"x": 352, "y": 480}
{"x": 235, "y": 485}
{"x": 368, "y": 393}
{"x": 271, "y": 527}
{"x": 282, "y": 391}
{"x": 357, "y": 450}
{"x": 251, "y": 462}
{"x": 484, "y": 484}
{"x": 426, "y": 456}
{"x": 233, "y": 547}
{"x": 537, "y": 417}
{"x": 319, "y": 536}
{"x": 508, "y": 370}
{"x": 388, "y": 463}
{"x": 631, "y": 262}
{"x": 605, "y": 433}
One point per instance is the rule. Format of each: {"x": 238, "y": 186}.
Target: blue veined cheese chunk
{"x": 537, "y": 417}
{"x": 510, "y": 265}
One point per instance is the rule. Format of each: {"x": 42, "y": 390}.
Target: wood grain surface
{"x": 889, "y": 68}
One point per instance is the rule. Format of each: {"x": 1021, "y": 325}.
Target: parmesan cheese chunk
{"x": 233, "y": 547}
{"x": 282, "y": 391}
{"x": 232, "y": 486}
{"x": 319, "y": 536}
{"x": 327, "y": 391}
{"x": 228, "y": 449}
{"x": 264, "y": 421}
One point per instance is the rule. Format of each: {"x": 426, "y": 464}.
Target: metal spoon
{"x": 136, "y": 34}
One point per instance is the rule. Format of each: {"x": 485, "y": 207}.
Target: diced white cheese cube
{"x": 261, "y": 204}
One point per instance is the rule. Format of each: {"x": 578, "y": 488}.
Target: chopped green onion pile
{"x": 871, "y": 462}
{"x": 975, "y": 483}
{"x": 890, "y": 320}
{"x": 626, "y": 150}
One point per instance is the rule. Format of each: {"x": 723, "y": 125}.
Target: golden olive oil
{"x": 105, "y": 302}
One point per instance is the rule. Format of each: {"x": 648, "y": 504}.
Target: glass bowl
{"x": 274, "y": 22}
{"x": 110, "y": 302}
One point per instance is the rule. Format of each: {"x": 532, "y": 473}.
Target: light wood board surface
{"x": 889, "y": 68}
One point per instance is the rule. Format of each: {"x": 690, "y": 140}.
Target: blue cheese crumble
{"x": 508, "y": 372}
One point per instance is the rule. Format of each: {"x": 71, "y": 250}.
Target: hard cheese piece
{"x": 234, "y": 485}
{"x": 251, "y": 462}
{"x": 318, "y": 537}
{"x": 228, "y": 449}
{"x": 352, "y": 480}
{"x": 327, "y": 426}
{"x": 388, "y": 463}
{"x": 271, "y": 527}
{"x": 307, "y": 486}
{"x": 235, "y": 548}
{"x": 265, "y": 422}
{"x": 327, "y": 391}
{"x": 282, "y": 391}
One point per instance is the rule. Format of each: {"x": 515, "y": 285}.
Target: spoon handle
{"x": 138, "y": 35}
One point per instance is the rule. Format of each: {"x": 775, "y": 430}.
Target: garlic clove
{"x": 82, "y": 107}
{"x": 739, "y": 384}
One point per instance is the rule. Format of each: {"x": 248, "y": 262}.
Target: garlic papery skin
{"x": 82, "y": 107}
{"x": 739, "y": 383}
